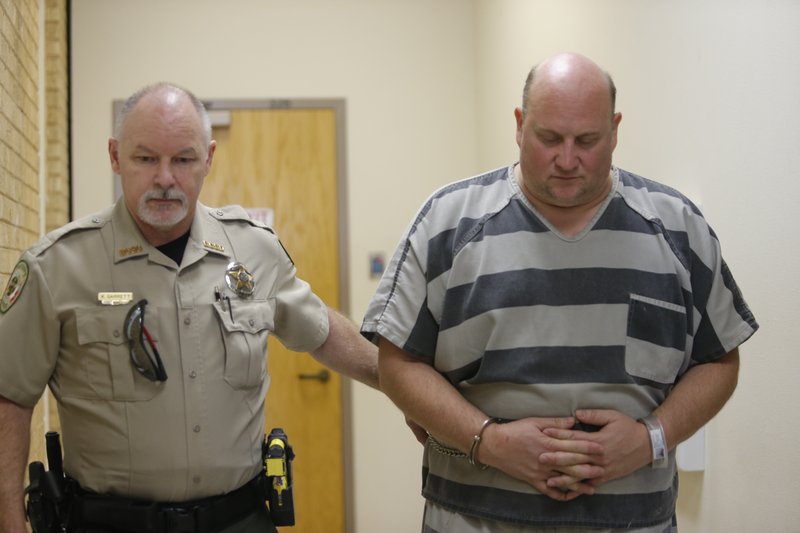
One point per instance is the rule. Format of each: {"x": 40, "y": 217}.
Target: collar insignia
{"x": 130, "y": 250}
{"x": 214, "y": 246}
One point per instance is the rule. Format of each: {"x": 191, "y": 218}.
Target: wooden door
{"x": 285, "y": 159}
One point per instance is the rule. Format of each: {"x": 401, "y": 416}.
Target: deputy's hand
{"x": 419, "y": 432}
{"x": 515, "y": 448}
{"x": 623, "y": 446}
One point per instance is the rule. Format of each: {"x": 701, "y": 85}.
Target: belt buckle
{"x": 180, "y": 520}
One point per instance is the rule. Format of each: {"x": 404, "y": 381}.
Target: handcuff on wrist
{"x": 476, "y": 440}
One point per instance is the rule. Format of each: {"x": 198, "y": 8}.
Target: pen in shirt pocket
{"x": 225, "y": 300}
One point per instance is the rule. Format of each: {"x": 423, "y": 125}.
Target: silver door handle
{"x": 323, "y": 376}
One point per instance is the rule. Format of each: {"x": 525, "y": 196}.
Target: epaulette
{"x": 89, "y": 222}
{"x": 239, "y": 214}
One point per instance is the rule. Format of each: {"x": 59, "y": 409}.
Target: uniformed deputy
{"x": 149, "y": 321}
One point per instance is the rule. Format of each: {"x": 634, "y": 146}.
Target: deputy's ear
{"x": 113, "y": 154}
{"x": 212, "y": 147}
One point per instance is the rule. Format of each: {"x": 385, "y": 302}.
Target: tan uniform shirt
{"x": 200, "y": 432}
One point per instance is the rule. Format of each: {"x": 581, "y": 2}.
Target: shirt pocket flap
{"x": 101, "y": 324}
{"x": 247, "y": 316}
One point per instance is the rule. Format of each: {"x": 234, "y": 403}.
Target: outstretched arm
{"x": 14, "y": 447}
{"x": 428, "y": 399}
{"x": 346, "y": 351}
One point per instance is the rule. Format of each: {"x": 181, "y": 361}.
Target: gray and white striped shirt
{"x": 526, "y": 322}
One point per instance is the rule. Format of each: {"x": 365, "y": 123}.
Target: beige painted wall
{"x": 708, "y": 95}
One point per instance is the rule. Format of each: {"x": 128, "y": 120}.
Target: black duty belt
{"x": 107, "y": 513}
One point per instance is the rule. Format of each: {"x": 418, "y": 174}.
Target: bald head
{"x": 568, "y": 72}
{"x": 166, "y": 94}
{"x": 567, "y": 132}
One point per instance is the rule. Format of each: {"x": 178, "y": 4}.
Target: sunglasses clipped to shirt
{"x": 143, "y": 351}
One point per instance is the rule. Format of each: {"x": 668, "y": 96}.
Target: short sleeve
{"x": 29, "y": 334}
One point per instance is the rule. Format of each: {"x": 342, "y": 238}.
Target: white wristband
{"x": 658, "y": 442}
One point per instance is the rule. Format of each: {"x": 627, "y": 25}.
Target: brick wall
{"x": 19, "y": 124}
{"x": 19, "y": 130}
{"x": 20, "y": 134}
{"x": 56, "y": 102}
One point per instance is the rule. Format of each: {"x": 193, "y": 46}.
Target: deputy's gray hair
{"x": 612, "y": 90}
{"x": 134, "y": 99}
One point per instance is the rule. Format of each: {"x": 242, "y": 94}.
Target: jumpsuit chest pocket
{"x": 655, "y": 344}
{"x": 103, "y": 356}
{"x": 245, "y": 328}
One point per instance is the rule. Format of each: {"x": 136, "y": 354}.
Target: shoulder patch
{"x": 15, "y": 285}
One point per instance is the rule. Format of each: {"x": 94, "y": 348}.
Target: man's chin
{"x": 163, "y": 221}
{"x": 566, "y": 198}
{"x": 163, "y": 226}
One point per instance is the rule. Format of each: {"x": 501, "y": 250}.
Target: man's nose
{"x": 567, "y": 156}
{"x": 164, "y": 177}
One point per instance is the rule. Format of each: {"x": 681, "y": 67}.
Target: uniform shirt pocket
{"x": 104, "y": 355}
{"x": 245, "y": 327}
{"x": 655, "y": 344}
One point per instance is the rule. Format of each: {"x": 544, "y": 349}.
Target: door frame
{"x": 219, "y": 112}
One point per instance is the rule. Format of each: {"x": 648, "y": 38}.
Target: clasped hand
{"x": 564, "y": 463}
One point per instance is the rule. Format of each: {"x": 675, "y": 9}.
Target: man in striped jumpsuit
{"x": 557, "y": 327}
